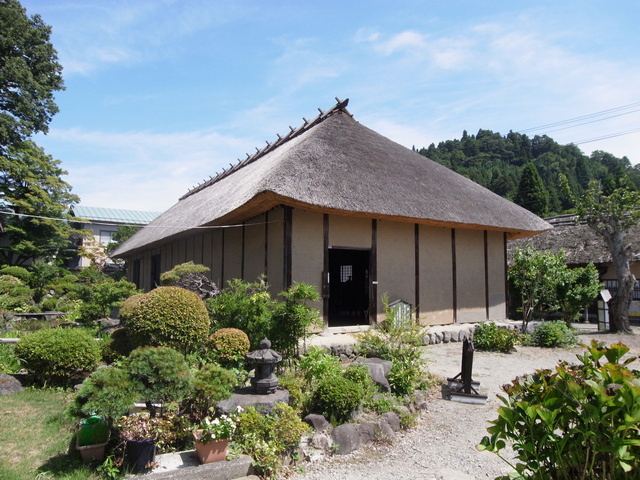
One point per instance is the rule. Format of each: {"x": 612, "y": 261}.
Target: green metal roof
{"x": 114, "y": 215}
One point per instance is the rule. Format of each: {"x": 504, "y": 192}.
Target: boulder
{"x": 346, "y": 438}
{"x": 367, "y": 433}
{"x": 9, "y": 385}
{"x": 318, "y": 422}
{"x": 393, "y": 420}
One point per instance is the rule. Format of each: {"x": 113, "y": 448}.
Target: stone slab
{"x": 186, "y": 466}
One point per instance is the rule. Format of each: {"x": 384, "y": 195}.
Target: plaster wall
{"x": 436, "y": 276}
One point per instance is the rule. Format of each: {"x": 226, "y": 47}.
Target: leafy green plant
{"x": 58, "y": 353}
{"x": 316, "y": 364}
{"x": 243, "y": 305}
{"x": 9, "y": 363}
{"x": 167, "y": 316}
{"x": 336, "y": 397}
{"x": 490, "y": 337}
{"x": 292, "y": 318}
{"x": 267, "y": 437}
{"x": 578, "y": 421}
{"x": 553, "y": 334}
{"x": 400, "y": 341}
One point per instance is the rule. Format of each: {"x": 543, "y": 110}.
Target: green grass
{"x": 36, "y": 437}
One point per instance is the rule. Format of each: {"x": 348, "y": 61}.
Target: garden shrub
{"x": 267, "y": 437}
{"x": 108, "y": 392}
{"x": 58, "y": 352}
{"x": 336, "y": 397}
{"x": 117, "y": 347}
{"x": 174, "y": 275}
{"x": 15, "y": 296}
{"x": 229, "y": 346}
{"x": 167, "y": 316}
{"x": 577, "y": 421}
{"x": 360, "y": 375}
{"x": 292, "y": 318}
{"x": 400, "y": 341}
{"x": 161, "y": 373}
{"x": 316, "y": 364}
{"x": 211, "y": 384}
{"x": 490, "y": 337}
{"x": 295, "y": 385}
{"x": 100, "y": 294}
{"x": 553, "y": 334}
{"x": 20, "y": 273}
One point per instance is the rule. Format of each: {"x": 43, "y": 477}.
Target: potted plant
{"x": 212, "y": 437}
{"x": 139, "y": 431}
{"x": 92, "y": 438}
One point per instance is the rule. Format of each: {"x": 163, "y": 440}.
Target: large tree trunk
{"x": 620, "y": 303}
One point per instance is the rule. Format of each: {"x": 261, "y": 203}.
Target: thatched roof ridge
{"x": 579, "y": 242}
{"x": 340, "y": 166}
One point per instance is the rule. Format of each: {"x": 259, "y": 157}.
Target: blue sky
{"x": 162, "y": 94}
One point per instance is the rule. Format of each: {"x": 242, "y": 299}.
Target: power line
{"x": 604, "y": 137}
{"x": 584, "y": 117}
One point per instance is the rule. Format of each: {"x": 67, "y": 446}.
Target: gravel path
{"x": 443, "y": 445}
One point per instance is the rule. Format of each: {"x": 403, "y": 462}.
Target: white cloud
{"x": 141, "y": 170}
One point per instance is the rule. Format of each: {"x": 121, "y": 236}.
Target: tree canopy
{"x": 29, "y": 75}
{"x": 611, "y": 210}
{"x": 499, "y": 162}
{"x": 33, "y": 192}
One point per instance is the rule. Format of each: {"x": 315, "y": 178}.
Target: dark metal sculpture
{"x": 462, "y": 386}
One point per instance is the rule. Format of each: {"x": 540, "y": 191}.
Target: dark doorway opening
{"x": 348, "y": 287}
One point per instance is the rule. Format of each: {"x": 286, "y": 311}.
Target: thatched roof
{"x": 579, "y": 242}
{"x": 333, "y": 164}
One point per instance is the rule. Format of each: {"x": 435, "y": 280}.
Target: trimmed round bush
{"x": 117, "y": 347}
{"x": 211, "y": 384}
{"x": 20, "y": 273}
{"x": 231, "y": 344}
{"x": 166, "y": 317}
{"x": 336, "y": 397}
{"x": 14, "y": 294}
{"x": 58, "y": 352}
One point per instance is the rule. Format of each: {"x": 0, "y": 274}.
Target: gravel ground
{"x": 443, "y": 445}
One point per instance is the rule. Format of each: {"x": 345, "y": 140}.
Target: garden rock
{"x": 246, "y": 397}
{"x": 9, "y": 385}
{"x": 393, "y": 420}
{"x": 346, "y": 438}
{"x": 318, "y": 422}
{"x": 367, "y": 433}
{"x": 200, "y": 284}
{"x": 321, "y": 441}
{"x": 384, "y": 432}
{"x": 378, "y": 371}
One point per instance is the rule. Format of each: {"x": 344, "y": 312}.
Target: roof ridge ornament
{"x": 340, "y": 107}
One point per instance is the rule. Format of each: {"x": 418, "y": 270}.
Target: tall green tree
{"x": 532, "y": 194}
{"x": 32, "y": 189}
{"x": 29, "y": 75}
{"x": 611, "y": 214}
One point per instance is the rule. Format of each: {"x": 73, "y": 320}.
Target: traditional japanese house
{"x": 337, "y": 205}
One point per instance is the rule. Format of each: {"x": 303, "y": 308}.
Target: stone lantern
{"x": 264, "y": 382}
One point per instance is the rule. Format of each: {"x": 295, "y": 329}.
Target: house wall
{"x": 497, "y": 268}
{"x": 417, "y": 264}
{"x": 396, "y": 263}
{"x": 470, "y": 276}
{"x": 436, "y": 276}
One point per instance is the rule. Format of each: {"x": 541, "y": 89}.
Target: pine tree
{"x": 531, "y": 192}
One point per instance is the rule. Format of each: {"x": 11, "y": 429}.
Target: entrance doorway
{"x": 348, "y": 287}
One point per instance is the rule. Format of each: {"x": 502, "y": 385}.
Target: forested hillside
{"x": 527, "y": 170}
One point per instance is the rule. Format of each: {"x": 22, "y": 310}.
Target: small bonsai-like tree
{"x": 160, "y": 374}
